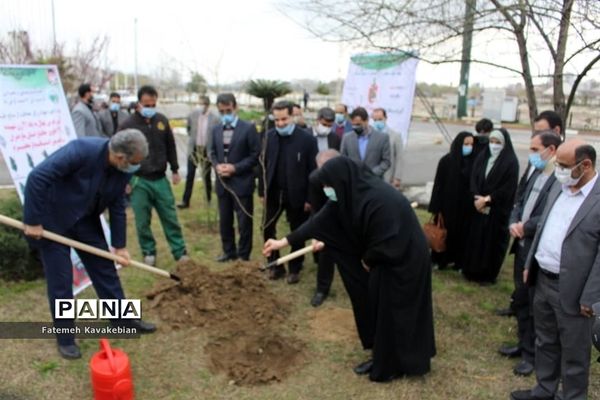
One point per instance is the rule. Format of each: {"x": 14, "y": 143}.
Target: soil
{"x": 239, "y": 313}
{"x": 333, "y": 324}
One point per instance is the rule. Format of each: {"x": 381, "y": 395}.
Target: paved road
{"x": 426, "y": 145}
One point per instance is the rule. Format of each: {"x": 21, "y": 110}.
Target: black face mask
{"x": 358, "y": 129}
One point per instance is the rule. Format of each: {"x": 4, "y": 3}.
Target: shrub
{"x": 17, "y": 260}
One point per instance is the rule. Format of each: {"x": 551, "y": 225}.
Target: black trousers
{"x": 521, "y": 304}
{"x": 198, "y": 157}
{"x": 276, "y": 205}
{"x": 227, "y": 206}
{"x": 325, "y": 270}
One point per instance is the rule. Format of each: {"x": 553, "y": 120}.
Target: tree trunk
{"x": 527, "y": 79}
{"x": 558, "y": 96}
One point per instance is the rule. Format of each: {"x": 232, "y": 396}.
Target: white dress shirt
{"x": 559, "y": 220}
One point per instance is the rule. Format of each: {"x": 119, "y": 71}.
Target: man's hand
{"x": 307, "y": 207}
{"x": 34, "y": 231}
{"x": 229, "y": 169}
{"x": 175, "y": 178}
{"x": 272, "y": 245}
{"x": 517, "y": 230}
{"x": 128, "y": 189}
{"x": 586, "y": 311}
{"x": 317, "y": 246}
{"x": 525, "y": 275}
{"x": 479, "y": 203}
{"x": 124, "y": 256}
{"x": 396, "y": 183}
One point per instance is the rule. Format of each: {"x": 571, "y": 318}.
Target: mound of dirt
{"x": 253, "y": 358}
{"x": 333, "y": 324}
{"x": 240, "y": 314}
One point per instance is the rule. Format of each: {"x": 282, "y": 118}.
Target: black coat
{"x": 379, "y": 226}
{"x": 488, "y": 236}
{"x": 243, "y": 154}
{"x": 451, "y": 197}
{"x": 303, "y": 148}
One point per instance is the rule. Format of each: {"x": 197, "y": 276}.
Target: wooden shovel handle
{"x": 84, "y": 247}
{"x": 293, "y": 255}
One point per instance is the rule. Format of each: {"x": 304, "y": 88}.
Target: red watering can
{"x": 111, "y": 374}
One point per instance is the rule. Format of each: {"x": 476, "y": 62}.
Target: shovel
{"x": 289, "y": 257}
{"x": 89, "y": 249}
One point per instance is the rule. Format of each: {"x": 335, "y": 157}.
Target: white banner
{"x": 386, "y": 81}
{"x": 34, "y": 122}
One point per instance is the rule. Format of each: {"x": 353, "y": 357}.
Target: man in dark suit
{"x": 327, "y": 141}
{"x": 323, "y": 130}
{"x": 523, "y": 224}
{"x": 342, "y": 124}
{"x": 234, "y": 149}
{"x": 66, "y": 194}
{"x": 289, "y": 158}
{"x": 564, "y": 266}
{"x": 113, "y": 116}
{"x": 365, "y": 145}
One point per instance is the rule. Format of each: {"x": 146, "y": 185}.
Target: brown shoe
{"x": 293, "y": 278}
{"x": 276, "y": 273}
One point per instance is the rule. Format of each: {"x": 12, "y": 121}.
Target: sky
{"x": 226, "y": 41}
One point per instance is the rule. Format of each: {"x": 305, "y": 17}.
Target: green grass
{"x": 172, "y": 364}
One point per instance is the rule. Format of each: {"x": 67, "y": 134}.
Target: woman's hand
{"x": 317, "y": 246}
{"x": 272, "y": 245}
{"x": 480, "y": 203}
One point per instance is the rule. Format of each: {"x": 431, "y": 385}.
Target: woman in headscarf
{"x": 451, "y": 198}
{"x": 380, "y": 228}
{"x": 493, "y": 186}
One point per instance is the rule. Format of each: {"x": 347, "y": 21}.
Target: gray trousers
{"x": 562, "y": 346}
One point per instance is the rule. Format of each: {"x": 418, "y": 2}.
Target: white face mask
{"x": 495, "y": 148}
{"x": 323, "y": 130}
{"x": 564, "y": 175}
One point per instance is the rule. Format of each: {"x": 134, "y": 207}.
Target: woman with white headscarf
{"x": 493, "y": 185}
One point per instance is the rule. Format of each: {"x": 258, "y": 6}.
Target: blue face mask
{"x": 148, "y": 112}
{"x": 115, "y": 107}
{"x": 537, "y": 161}
{"x": 227, "y": 119}
{"x": 339, "y": 118}
{"x": 286, "y": 130}
{"x": 330, "y": 193}
{"x": 379, "y": 125}
{"x": 131, "y": 168}
{"x": 467, "y": 150}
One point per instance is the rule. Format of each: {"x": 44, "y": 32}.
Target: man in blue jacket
{"x": 66, "y": 194}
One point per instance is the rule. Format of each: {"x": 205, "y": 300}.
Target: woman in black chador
{"x": 493, "y": 186}
{"x": 369, "y": 220}
{"x": 451, "y": 197}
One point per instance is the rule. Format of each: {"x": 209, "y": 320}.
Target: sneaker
{"x": 150, "y": 260}
{"x": 183, "y": 259}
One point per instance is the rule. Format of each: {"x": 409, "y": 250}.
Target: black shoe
{"x": 363, "y": 368}
{"x": 504, "y": 312}
{"x": 318, "y": 299}
{"x": 510, "y": 351}
{"x": 293, "y": 278}
{"x": 70, "y": 351}
{"x": 526, "y": 395}
{"x": 225, "y": 258}
{"x": 276, "y": 273}
{"x": 183, "y": 205}
{"x": 137, "y": 324}
{"x": 523, "y": 368}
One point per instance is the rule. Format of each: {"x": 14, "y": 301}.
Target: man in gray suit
{"x": 564, "y": 266}
{"x": 113, "y": 116}
{"x": 84, "y": 118}
{"x": 393, "y": 176}
{"x": 366, "y": 145}
{"x": 200, "y": 124}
